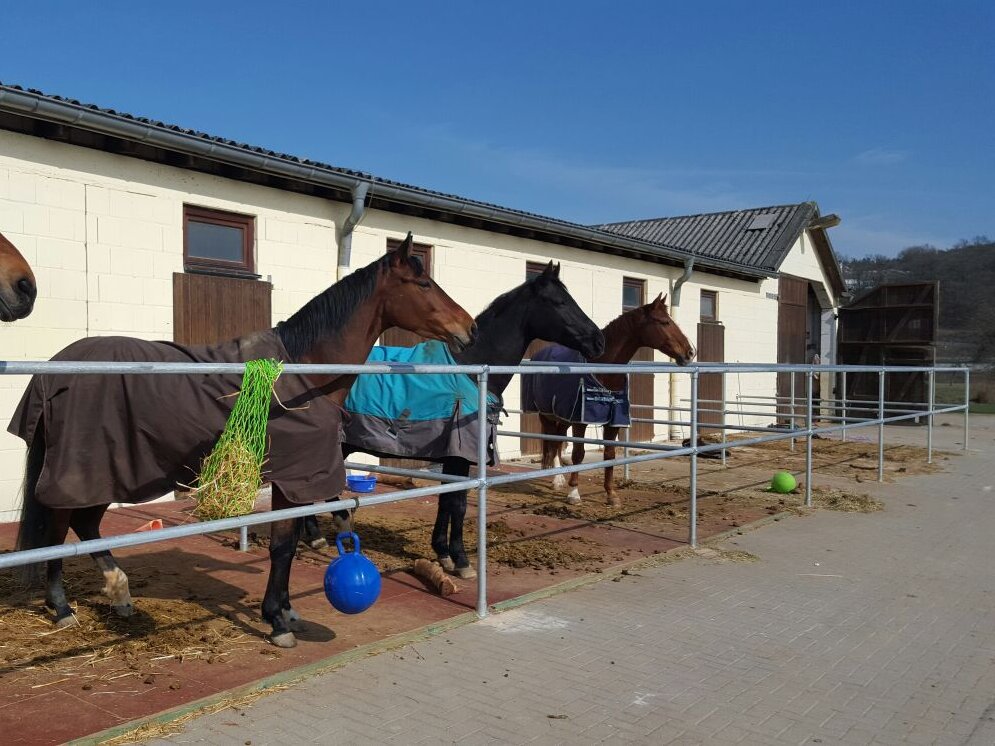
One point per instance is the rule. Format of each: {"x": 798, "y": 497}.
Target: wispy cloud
{"x": 881, "y": 157}
{"x": 596, "y": 192}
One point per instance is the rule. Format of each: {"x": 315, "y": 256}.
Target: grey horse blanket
{"x": 573, "y": 397}
{"x": 132, "y": 438}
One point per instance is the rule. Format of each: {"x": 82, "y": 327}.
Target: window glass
{"x": 633, "y": 292}
{"x": 209, "y": 241}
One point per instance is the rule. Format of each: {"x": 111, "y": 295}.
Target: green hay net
{"x": 231, "y": 474}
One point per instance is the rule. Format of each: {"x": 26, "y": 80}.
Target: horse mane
{"x": 622, "y": 320}
{"x": 327, "y": 313}
{"x": 503, "y": 301}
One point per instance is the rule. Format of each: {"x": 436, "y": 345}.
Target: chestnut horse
{"x": 17, "y": 283}
{"x": 646, "y": 326}
{"x": 99, "y": 439}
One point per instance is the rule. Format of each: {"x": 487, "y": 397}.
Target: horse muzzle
{"x": 17, "y": 300}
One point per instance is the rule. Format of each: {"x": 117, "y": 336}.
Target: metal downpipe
{"x": 359, "y": 191}
{"x": 675, "y": 301}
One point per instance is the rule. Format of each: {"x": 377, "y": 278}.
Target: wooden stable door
{"x": 641, "y": 392}
{"x": 208, "y": 309}
{"x": 711, "y": 349}
{"x": 792, "y": 318}
{"x": 530, "y": 420}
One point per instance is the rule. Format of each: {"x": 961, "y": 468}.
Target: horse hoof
{"x": 284, "y": 640}
{"x": 466, "y": 573}
{"x": 574, "y": 497}
{"x": 124, "y": 610}
{"x": 447, "y": 563}
{"x": 614, "y": 502}
{"x": 559, "y": 482}
{"x": 319, "y": 543}
{"x": 67, "y": 621}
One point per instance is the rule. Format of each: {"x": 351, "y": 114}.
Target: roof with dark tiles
{"x": 760, "y": 237}
{"x": 723, "y": 237}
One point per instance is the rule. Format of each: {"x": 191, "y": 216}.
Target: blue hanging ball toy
{"x": 352, "y": 582}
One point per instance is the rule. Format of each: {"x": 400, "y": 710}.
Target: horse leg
{"x": 284, "y": 535}
{"x": 611, "y": 498}
{"x": 85, "y": 523}
{"x": 550, "y": 452}
{"x": 55, "y": 594}
{"x": 440, "y": 531}
{"x": 312, "y": 533}
{"x": 576, "y": 457}
{"x": 457, "y": 514}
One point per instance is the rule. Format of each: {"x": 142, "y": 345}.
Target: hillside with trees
{"x": 966, "y": 273}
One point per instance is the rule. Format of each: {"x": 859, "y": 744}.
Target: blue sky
{"x": 882, "y": 112}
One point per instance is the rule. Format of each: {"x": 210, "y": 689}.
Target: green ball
{"x": 783, "y": 482}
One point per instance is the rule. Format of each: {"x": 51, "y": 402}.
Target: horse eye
{"x": 426, "y": 284}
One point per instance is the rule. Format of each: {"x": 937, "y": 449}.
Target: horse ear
{"x": 402, "y": 252}
{"x": 659, "y": 299}
{"x": 556, "y": 272}
{"x": 550, "y": 270}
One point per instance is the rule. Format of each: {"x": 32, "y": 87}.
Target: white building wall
{"x": 104, "y": 236}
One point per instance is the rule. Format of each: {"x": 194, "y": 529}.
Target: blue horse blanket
{"x": 573, "y": 397}
{"x": 422, "y": 416}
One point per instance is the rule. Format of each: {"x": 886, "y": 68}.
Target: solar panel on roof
{"x": 760, "y": 222}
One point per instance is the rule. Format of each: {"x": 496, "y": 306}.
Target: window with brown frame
{"x": 218, "y": 242}
{"x": 709, "y": 305}
{"x": 633, "y": 293}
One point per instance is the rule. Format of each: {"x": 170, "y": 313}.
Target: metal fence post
{"x": 967, "y": 402}
{"x": 722, "y": 378}
{"x": 929, "y": 418}
{"x": 843, "y": 412}
{"x": 243, "y": 539}
{"x": 482, "y": 494}
{"x": 808, "y": 440}
{"x": 626, "y": 472}
{"x": 693, "y": 481}
{"x": 881, "y": 426}
{"x": 791, "y": 421}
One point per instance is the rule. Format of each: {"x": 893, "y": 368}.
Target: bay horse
{"x": 97, "y": 439}
{"x": 539, "y": 308}
{"x": 646, "y": 326}
{"x": 17, "y": 283}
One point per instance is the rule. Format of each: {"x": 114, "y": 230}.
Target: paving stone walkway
{"x": 846, "y": 629}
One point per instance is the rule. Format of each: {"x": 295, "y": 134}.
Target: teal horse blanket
{"x": 421, "y": 416}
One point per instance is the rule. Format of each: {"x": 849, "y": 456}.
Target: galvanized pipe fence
{"x": 650, "y": 451}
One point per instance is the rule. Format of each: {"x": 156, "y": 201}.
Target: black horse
{"x": 540, "y": 308}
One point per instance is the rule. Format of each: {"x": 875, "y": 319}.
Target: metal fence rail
{"x": 876, "y": 417}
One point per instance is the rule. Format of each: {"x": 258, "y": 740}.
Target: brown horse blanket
{"x": 132, "y": 438}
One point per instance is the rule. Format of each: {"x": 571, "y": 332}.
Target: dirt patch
{"x": 104, "y": 649}
{"x": 853, "y": 459}
{"x": 719, "y": 554}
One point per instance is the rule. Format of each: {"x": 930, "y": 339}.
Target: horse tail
{"x": 34, "y": 516}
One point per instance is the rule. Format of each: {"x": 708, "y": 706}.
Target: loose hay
{"x": 848, "y": 502}
{"x": 102, "y": 647}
